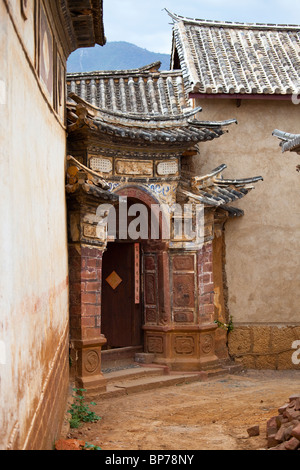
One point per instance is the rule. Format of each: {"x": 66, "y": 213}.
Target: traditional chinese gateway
{"x": 131, "y": 134}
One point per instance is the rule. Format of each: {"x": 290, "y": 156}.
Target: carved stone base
{"x": 185, "y": 349}
{"x": 88, "y": 371}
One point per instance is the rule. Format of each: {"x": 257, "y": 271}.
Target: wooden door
{"x": 121, "y": 313}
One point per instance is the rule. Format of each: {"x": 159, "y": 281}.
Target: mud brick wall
{"x": 264, "y": 346}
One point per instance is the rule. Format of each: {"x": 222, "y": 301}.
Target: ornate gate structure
{"x": 131, "y": 134}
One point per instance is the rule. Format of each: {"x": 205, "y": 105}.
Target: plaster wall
{"x": 33, "y": 243}
{"x": 263, "y": 246}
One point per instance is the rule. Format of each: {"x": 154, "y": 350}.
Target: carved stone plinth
{"x": 184, "y": 349}
{"x": 88, "y": 371}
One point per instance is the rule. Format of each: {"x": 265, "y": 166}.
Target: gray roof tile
{"x": 224, "y": 57}
{"x": 143, "y": 104}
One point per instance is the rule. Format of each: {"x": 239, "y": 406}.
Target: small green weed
{"x": 229, "y": 327}
{"x": 80, "y": 411}
{"x": 91, "y": 447}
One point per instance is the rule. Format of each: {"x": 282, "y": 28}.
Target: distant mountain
{"x": 114, "y": 56}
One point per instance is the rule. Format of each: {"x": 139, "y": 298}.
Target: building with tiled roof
{"x": 237, "y": 58}
{"x": 132, "y": 134}
{"x": 251, "y": 72}
{"x": 143, "y": 104}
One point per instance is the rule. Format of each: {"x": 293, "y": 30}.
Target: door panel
{"x": 121, "y": 316}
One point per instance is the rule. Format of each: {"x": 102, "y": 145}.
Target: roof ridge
{"x": 147, "y": 69}
{"x": 232, "y": 24}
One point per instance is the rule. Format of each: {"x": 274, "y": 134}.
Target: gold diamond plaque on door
{"x": 114, "y": 280}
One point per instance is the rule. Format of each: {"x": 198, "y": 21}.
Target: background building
{"x": 251, "y": 72}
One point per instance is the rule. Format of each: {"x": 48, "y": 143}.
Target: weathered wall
{"x": 34, "y": 272}
{"x": 263, "y": 247}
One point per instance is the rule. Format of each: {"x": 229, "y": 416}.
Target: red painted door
{"x": 121, "y": 319}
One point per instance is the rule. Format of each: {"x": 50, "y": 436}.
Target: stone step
{"x": 119, "y": 357}
{"x": 150, "y": 377}
{"x": 154, "y": 379}
{"x": 115, "y": 377}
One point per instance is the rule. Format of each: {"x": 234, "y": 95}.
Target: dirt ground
{"x": 212, "y": 415}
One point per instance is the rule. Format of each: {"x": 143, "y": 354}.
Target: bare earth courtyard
{"x": 211, "y": 415}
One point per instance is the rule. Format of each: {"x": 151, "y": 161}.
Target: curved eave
{"x": 289, "y": 142}
{"x": 152, "y": 128}
{"x": 84, "y": 22}
{"x": 188, "y": 135}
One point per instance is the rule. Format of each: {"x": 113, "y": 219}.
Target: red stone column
{"x": 206, "y": 306}
{"x": 85, "y": 270}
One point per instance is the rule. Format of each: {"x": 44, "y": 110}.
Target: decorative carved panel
{"x": 103, "y": 165}
{"x": 184, "y": 290}
{"x": 183, "y": 263}
{"x": 183, "y": 317}
{"x": 91, "y": 361}
{"x": 151, "y": 315}
{"x": 167, "y": 168}
{"x": 149, "y": 263}
{"x": 155, "y": 344}
{"x": 90, "y": 231}
{"x": 134, "y": 168}
{"x": 150, "y": 289}
{"x": 207, "y": 344}
{"x": 184, "y": 345}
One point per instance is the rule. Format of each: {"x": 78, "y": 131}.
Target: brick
{"x": 69, "y": 444}
{"x": 91, "y": 333}
{"x": 296, "y": 431}
{"x": 209, "y": 309}
{"x": 291, "y": 414}
{"x": 253, "y": 431}
{"x": 88, "y": 322}
{"x": 205, "y": 278}
{"x": 90, "y": 298}
{"x": 91, "y": 310}
{"x": 92, "y": 263}
{"x": 284, "y": 432}
{"x": 208, "y": 268}
{"x": 89, "y": 275}
{"x": 272, "y": 441}
{"x": 282, "y": 409}
{"x": 272, "y": 426}
{"x": 293, "y": 398}
{"x": 292, "y": 444}
{"x": 93, "y": 286}
{"x": 208, "y": 288}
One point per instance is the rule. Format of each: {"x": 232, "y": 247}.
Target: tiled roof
{"x": 145, "y": 91}
{"x": 289, "y": 142}
{"x": 213, "y": 190}
{"x": 224, "y": 57}
{"x": 143, "y": 104}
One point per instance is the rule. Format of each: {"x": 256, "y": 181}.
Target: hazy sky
{"x": 142, "y": 22}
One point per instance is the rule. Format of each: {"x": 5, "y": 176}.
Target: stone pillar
{"x": 179, "y": 308}
{"x": 206, "y": 306}
{"x": 85, "y": 268}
